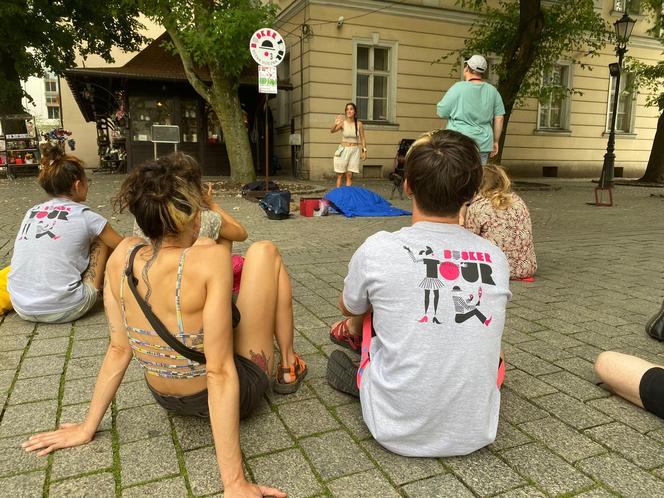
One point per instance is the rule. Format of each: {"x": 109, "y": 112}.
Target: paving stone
{"x": 524, "y": 492}
{"x": 203, "y": 471}
{"x": 132, "y": 394}
{"x": 627, "y": 413}
{"x": 515, "y": 409}
{"x": 558, "y": 339}
{"x": 572, "y": 411}
{"x": 92, "y": 486}
{"x": 93, "y": 331}
{"x": 14, "y": 342}
{"x": 15, "y": 459}
{"x": 368, "y": 484}
{"x": 484, "y": 473}
{"x": 335, "y": 454}
{"x": 94, "y": 317}
{"x": 545, "y": 350}
{"x": 304, "y": 392}
{"x": 508, "y": 436}
{"x": 192, "y": 432}
{"x": 562, "y": 439}
{"x": 80, "y": 368}
{"x": 440, "y": 486}
{"x": 139, "y": 463}
{"x": 287, "y": 471}
{"x": 35, "y": 389}
{"x": 351, "y": 417}
{"x": 595, "y": 493}
{"x": 549, "y": 471}
{"x": 77, "y": 413}
{"x": 142, "y": 422}
{"x": 318, "y": 335}
{"x": 45, "y": 347}
{"x": 9, "y": 360}
{"x": 514, "y": 336}
{"x": 631, "y": 444}
{"x": 42, "y": 365}
{"x": 50, "y": 330}
{"x": 307, "y": 417}
{"x": 586, "y": 352}
{"x": 91, "y": 347}
{"x": 579, "y": 367}
{"x": 171, "y": 488}
{"x": 530, "y": 363}
{"x": 96, "y": 455}
{"x": 79, "y": 391}
{"x": 331, "y": 397}
{"x": 28, "y": 418}
{"x": 657, "y": 435}
{"x": 6, "y": 379}
{"x": 574, "y": 386}
{"x": 622, "y": 476}
{"x": 262, "y": 434}
{"x": 23, "y": 485}
{"x": 316, "y": 365}
{"x": 527, "y": 385}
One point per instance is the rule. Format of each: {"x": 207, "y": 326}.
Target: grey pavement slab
{"x": 558, "y": 432}
{"x": 91, "y": 486}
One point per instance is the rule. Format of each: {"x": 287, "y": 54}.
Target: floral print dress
{"x": 510, "y": 229}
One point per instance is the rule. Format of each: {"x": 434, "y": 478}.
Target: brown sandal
{"x": 297, "y": 371}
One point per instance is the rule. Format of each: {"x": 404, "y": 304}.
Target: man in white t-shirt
{"x": 436, "y": 296}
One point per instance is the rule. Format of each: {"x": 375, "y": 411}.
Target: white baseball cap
{"x": 477, "y": 63}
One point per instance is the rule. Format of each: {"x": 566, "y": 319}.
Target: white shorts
{"x": 348, "y": 160}
{"x": 86, "y": 304}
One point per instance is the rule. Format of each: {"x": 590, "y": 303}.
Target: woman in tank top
{"x": 353, "y": 147}
{"x": 187, "y": 284}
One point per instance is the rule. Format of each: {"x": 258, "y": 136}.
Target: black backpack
{"x": 276, "y": 204}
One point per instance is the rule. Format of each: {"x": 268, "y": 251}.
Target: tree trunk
{"x": 225, "y": 101}
{"x": 655, "y": 169}
{"x": 11, "y": 94}
{"x": 519, "y": 57}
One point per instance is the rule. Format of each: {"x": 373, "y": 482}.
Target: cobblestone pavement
{"x": 600, "y": 278}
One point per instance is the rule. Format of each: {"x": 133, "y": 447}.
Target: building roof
{"x": 95, "y": 88}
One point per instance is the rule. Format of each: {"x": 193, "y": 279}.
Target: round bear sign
{"x": 267, "y": 47}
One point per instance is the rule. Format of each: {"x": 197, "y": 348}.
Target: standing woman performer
{"x": 57, "y": 269}
{"x": 186, "y": 282}
{"x": 353, "y": 146}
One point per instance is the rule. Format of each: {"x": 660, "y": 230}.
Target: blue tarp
{"x": 358, "y": 201}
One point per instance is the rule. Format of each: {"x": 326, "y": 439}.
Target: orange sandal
{"x": 297, "y": 371}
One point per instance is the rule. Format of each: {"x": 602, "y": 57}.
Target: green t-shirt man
{"x": 474, "y": 108}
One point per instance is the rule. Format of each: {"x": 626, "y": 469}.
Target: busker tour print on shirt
{"x": 44, "y": 218}
{"x": 464, "y": 273}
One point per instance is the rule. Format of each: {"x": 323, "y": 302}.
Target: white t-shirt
{"x": 51, "y": 251}
{"x": 430, "y": 389}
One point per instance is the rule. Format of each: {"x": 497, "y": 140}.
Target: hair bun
{"x": 51, "y": 152}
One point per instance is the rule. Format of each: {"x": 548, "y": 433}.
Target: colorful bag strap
{"x": 366, "y": 345}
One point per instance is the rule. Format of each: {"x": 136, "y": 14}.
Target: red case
{"x": 308, "y": 205}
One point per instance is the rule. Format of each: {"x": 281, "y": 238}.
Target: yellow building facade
{"x": 380, "y": 55}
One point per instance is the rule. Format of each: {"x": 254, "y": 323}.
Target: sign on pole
{"x": 267, "y": 47}
{"x": 267, "y": 79}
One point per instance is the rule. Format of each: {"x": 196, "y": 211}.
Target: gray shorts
{"x": 90, "y": 295}
{"x": 348, "y": 160}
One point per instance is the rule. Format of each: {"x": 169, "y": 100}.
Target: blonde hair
{"x": 496, "y": 186}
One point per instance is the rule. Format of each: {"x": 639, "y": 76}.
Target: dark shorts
{"x": 253, "y": 384}
{"x": 651, "y": 390}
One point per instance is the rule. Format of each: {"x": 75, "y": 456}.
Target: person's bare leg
{"x": 265, "y": 314}
{"x": 622, "y": 373}
{"x": 99, "y": 253}
{"x": 349, "y": 179}
{"x": 339, "y": 177}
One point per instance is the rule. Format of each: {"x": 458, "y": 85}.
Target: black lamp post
{"x": 624, "y": 27}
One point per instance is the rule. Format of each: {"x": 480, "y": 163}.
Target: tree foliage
{"x": 40, "y": 35}
{"x": 214, "y": 35}
{"x": 528, "y": 37}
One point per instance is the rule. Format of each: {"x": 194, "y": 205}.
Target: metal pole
{"x": 606, "y": 179}
{"x": 267, "y": 138}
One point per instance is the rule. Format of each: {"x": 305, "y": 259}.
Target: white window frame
{"x": 632, "y": 110}
{"x": 392, "y": 47}
{"x": 566, "y": 105}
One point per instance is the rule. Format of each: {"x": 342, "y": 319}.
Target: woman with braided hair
{"x": 168, "y": 303}
{"x": 353, "y": 147}
{"x": 57, "y": 269}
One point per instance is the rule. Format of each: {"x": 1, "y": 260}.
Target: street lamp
{"x": 624, "y": 27}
